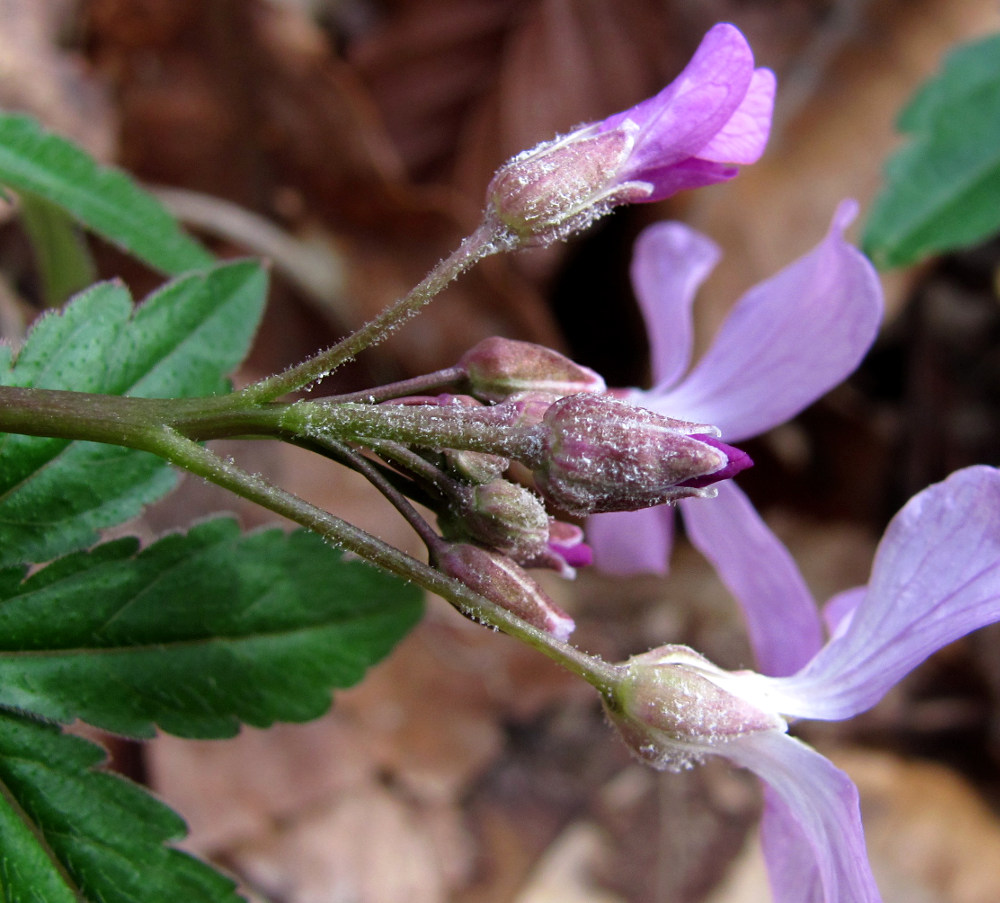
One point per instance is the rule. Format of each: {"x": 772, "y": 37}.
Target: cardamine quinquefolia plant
{"x": 510, "y": 449}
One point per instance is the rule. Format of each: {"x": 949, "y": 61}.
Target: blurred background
{"x": 350, "y": 141}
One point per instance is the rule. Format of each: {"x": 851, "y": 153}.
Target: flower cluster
{"x": 786, "y": 342}
{"x": 516, "y": 444}
{"x": 515, "y": 440}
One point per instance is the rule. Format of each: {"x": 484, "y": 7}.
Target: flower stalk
{"x": 475, "y": 247}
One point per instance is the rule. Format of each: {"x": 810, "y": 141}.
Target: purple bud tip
{"x": 738, "y": 459}
{"x": 578, "y": 556}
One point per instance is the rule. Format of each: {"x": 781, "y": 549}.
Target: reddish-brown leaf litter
{"x": 467, "y": 768}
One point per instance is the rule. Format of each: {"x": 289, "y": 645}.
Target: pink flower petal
{"x": 632, "y": 542}
{"x": 786, "y": 342}
{"x": 813, "y": 839}
{"x": 744, "y": 137}
{"x": 935, "y": 578}
{"x": 669, "y": 263}
{"x": 839, "y": 609}
{"x": 783, "y": 621}
{"x": 694, "y": 107}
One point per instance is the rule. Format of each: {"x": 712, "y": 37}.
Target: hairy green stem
{"x": 478, "y": 245}
{"x": 113, "y": 418}
{"x": 117, "y": 419}
{"x": 396, "y": 498}
{"x": 196, "y": 459}
{"x": 494, "y": 430}
{"x": 419, "y": 385}
{"x": 159, "y": 425}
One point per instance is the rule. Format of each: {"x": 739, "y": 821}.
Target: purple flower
{"x": 936, "y": 577}
{"x": 785, "y": 343}
{"x": 714, "y": 115}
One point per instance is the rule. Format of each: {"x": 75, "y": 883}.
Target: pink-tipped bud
{"x": 673, "y": 705}
{"x": 497, "y": 578}
{"x": 497, "y": 368}
{"x": 560, "y": 186}
{"x": 603, "y": 454}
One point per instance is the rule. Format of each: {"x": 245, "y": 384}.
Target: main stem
{"x": 478, "y": 245}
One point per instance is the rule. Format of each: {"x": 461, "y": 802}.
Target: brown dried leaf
{"x": 39, "y": 76}
{"x": 368, "y": 846}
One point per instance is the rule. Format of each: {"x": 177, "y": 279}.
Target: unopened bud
{"x": 673, "y": 705}
{"x": 476, "y": 467}
{"x": 603, "y": 454}
{"x": 497, "y": 368}
{"x": 529, "y": 408}
{"x": 560, "y": 186}
{"x": 502, "y": 515}
{"x": 499, "y": 579}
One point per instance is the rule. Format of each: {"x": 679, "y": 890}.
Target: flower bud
{"x": 502, "y": 515}
{"x": 476, "y": 467}
{"x": 603, "y": 454}
{"x": 560, "y": 186}
{"x": 510, "y": 519}
{"x": 673, "y": 705}
{"x": 497, "y": 368}
{"x": 503, "y": 582}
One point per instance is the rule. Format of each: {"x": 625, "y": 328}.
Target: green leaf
{"x": 55, "y": 494}
{"x": 196, "y": 633}
{"x": 102, "y": 198}
{"x": 63, "y": 257}
{"x": 942, "y": 190}
{"x": 69, "y": 833}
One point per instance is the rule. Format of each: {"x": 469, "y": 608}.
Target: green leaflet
{"x": 181, "y": 341}
{"x": 64, "y": 262}
{"x": 197, "y": 632}
{"x": 105, "y": 200}
{"x": 70, "y": 833}
{"x": 943, "y": 188}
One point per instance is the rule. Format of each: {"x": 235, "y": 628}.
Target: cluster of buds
{"x": 517, "y": 442}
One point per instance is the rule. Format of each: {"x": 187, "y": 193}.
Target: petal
{"x": 812, "y": 834}
{"x": 935, "y": 578}
{"x": 664, "y": 181}
{"x": 783, "y": 621}
{"x": 787, "y": 341}
{"x": 670, "y": 261}
{"x": 744, "y": 137}
{"x": 632, "y": 542}
{"x": 839, "y": 609}
{"x": 692, "y": 109}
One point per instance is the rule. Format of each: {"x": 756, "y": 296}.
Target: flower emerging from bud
{"x": 497, "y": 368}
{"x": 716, "y": 113}
{"x": 673, "y": 705}
{"x": 497, "y": 578}
{"x": 603, "y": 454}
